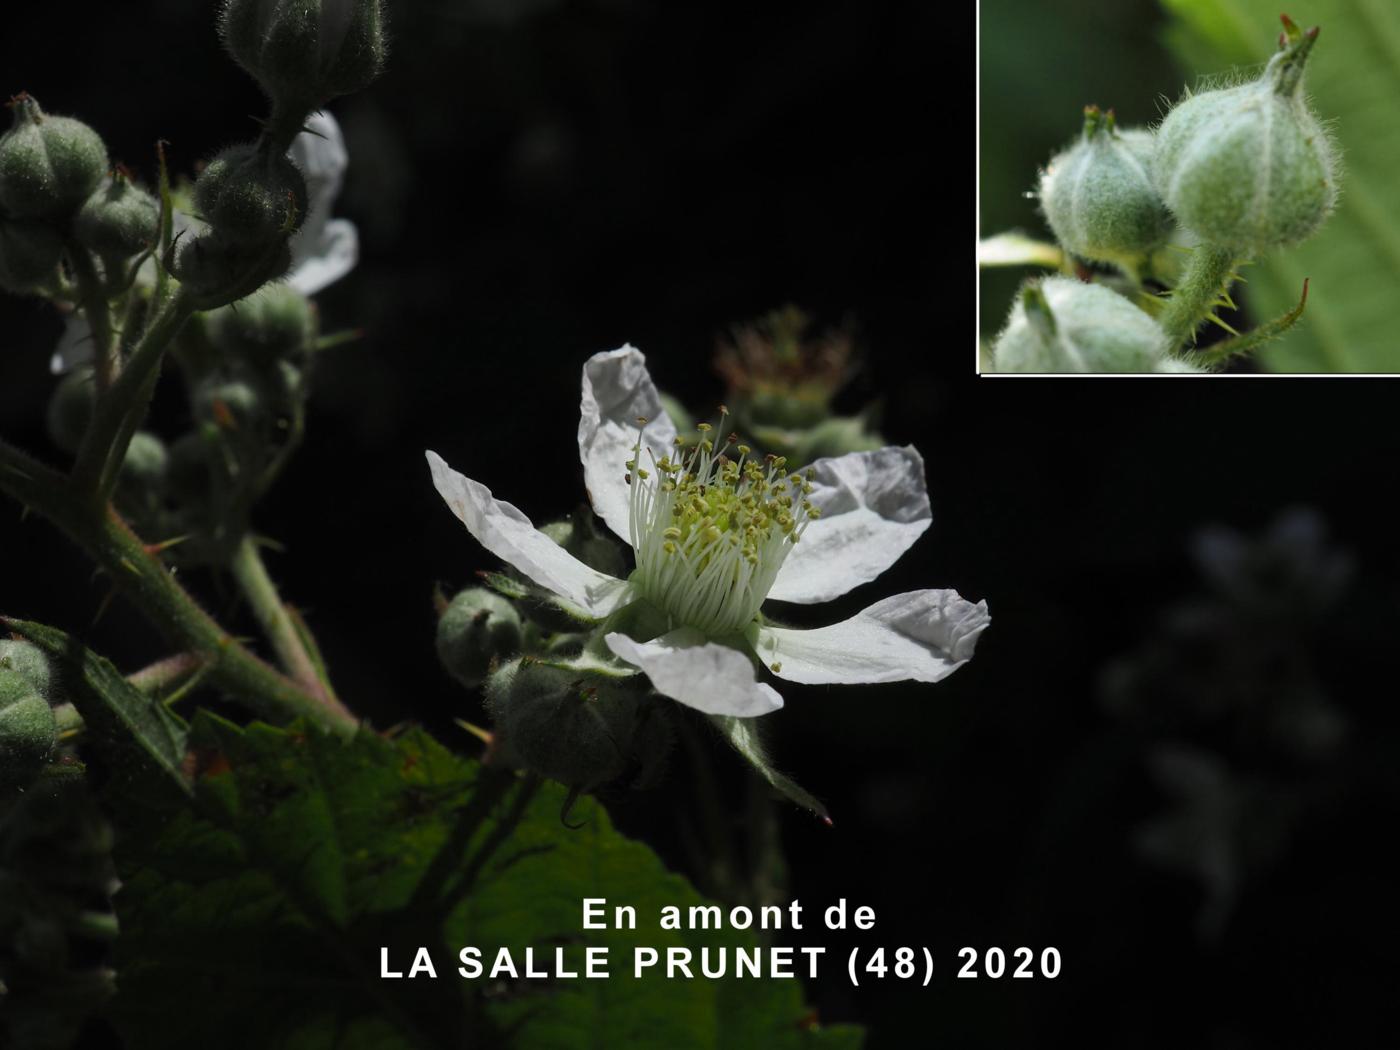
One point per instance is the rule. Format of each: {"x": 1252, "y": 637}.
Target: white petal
{"x": 323, "y": 250}
{"x": 709, "y": 677}
{"x": 74, "y": 346}
{"x": 616, "y": 391}
{"x": 507, "y": 533}
{"x": 923, "y": 635}
{"x": 874, "y": 506}
{"x": 316, "y": 266}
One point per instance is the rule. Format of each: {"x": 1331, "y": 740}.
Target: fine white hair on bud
{"x": 710, "y": 530}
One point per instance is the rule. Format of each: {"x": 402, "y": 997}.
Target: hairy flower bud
{"x": 119, "y": 220}
{"x": 1098, "y": 195}
{"x": 29, "y": 255}
{"x": 275, "y": 323}
{"x": 1249, "y": 168}
{"x": 250, "y": 195}
{"x": 305, "y": 52}
{"x": 564, "y": 724}
{"x": 48, "y": 165}
{"x": 478, "y": 628}
{"x": 217, "y": 270}
{"x": 27, "y": 728}
{"x": 146, "y": 461}
{"x": 1063, "y": 325}
{"x": 31, "y": 662}
{"x": 70, "y": 408}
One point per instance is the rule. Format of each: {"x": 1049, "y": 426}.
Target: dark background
{"x": 537, "y": 182}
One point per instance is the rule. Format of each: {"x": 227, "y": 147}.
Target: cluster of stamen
{"x": 711, "y": 529}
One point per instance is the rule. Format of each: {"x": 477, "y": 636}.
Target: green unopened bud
{"x": 231, "y": 404}
{"x": 476, "y": 630}
{"x": 1063, "y": 325}
{"x": 145, "y": 463}
{"x": 569, "y": 726}
{"x": 305, "y": 52}
{"x": 27, "y": 728}
{"x": 1098, "y": 195}
{"x": 216, "y": 270}
{"x": 32, "y": 663}
{"x": 119, "y": 220}
{"x": 48, "y": 165}
{"x": 250, "y": 195}
{"x": 274, "y": 323}
{"x": 1249, "y": 168}
{"x": 29, "y": 255}
{"x": 833, "y": 437}
{"x": 579, "y": 535}
{"x": 71, "y": 407}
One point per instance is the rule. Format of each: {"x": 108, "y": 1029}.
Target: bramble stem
{"x": 281, "y": 630}
{"x": 97, "y": 313}
{"x": 1193, "y": 299}
{"x": 120, "y": 409}
{"x": 139, "y": 574}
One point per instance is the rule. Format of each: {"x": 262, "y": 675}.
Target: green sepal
{"x": 742, "y": 735}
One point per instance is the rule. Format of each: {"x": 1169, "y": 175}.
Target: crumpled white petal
{"x": 74, "y": 346}
{"x": 874, "y": 506}
{"x": 704, "y": 675}
{"x": 616, "y": 391}
{"x": 324, "y": 249}
{"x": 507, "y": 533}
{"x": 921, "y": 635}
{"x": 333, "y": 255}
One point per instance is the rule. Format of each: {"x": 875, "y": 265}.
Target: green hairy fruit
{"x": 1099, "y": 197}
{"x": 216, "y": 270}
{"x": 48, "y": 165}
{"x": 306, "y": 52}
{"x": 1063, "y": 325}
{"x": 119, "y": 220}
{"x": 250, "y": 195}
{"x": 564, "y": 724}
{"x": 478, "y": 628}
{"x": 29, "y": 255}
{"x": 1249, "y": 168}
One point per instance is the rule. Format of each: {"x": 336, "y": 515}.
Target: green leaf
{"x": 255, "y": 917}
{"x": 125, "y": 723}
{"x": 743, "y": 737}
{"x": 1354, "y": 261}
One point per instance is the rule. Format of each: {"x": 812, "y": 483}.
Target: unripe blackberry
{"x": 119, "y": 220}
{"x": 478, "y": 628}
{"x": 569, "y": 726}
{"x": 29, "y": 255}
{"x": 1099, "y": 197}
{"x": 251, "y": 196}
{"x": 306, "y": 52}
{"x": 1063, "y": 325}
{"x": 1249, "y": 168}
{"x": 48, "y": 165}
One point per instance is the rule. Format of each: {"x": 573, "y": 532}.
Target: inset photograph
{"x": 1187, "y": 187}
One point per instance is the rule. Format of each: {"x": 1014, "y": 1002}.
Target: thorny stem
{"x": 139, "y": 574}
{"x": 120, "y": 409}
{"x": 277, "y": 624}
{"x": 98, "y": 314}
{"x": 1195, "y": 297}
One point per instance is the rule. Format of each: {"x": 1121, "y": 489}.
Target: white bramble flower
{"x": 716, "y": 532}
{"x": 323, "y": 250}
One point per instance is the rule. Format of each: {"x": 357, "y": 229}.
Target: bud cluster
{"x": 1234, "y": 173}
